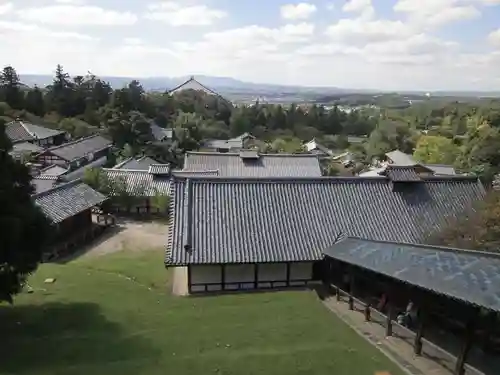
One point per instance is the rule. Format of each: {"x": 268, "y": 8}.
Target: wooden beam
{"x": 189, "y": 278}
{"x": 466, "y": 346}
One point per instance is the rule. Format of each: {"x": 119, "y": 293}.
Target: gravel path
{"x": 132, "y": 236}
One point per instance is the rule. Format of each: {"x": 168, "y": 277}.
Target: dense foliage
{"x": 465, "y": 133}
{"x": 435, "y": 131}
{"x": 24, "y": 227}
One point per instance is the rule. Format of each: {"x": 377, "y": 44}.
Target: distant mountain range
{"x": 230, "y": 85}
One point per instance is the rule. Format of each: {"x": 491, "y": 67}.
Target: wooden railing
{"x": 421, "y": 345}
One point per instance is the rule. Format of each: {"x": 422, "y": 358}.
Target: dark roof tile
{"x": 470, "y": 276}
{"x": 229, "y": 220}
{"x": 66, "y": 200}
{"x": 19, "y": 131}
{"x": 267, "y": 165}
{"x": 80, "y": 148}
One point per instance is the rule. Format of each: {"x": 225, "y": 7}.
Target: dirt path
{"x": 132, "y": 236}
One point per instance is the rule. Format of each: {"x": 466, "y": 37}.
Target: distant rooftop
{"x": 250, "y": 163}
{"x": 66, "y": 200}
{"x": 193, "y": 84}
{"x": 21, "y": 131}
{"x": 80, "y": 148}
{"x": 143, "y": 163}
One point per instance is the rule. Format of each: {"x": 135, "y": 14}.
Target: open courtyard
{"x": 114, "y": 314}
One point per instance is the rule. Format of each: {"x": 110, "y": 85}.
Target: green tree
{"x": 10, "y": 88}
{"x": 436, "y": 150}
{"x": 478, "y": 229}
{"x": 34, "y": 102}
{"x": 25, "y": 229}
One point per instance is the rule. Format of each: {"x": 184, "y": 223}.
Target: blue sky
{"x": 384, "y": 44}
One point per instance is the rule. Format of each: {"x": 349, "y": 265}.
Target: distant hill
{"x": 224, "y": 84}
{"x": 228, "y": 85}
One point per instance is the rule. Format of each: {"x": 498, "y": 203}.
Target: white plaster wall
{"x": 240, "y": 273}
{"x": 300, "y": 271}
{"x": 205, "y": 274}
{"x": 271, "y": 272}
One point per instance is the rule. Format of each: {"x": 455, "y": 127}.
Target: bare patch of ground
{"x": 131, "y": 236}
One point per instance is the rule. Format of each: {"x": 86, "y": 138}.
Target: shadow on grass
{"x": 84, "y": 249}
{"x": 52, "y": 337}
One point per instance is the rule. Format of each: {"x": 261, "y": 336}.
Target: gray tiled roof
{"x": 442, "y": 169}
{"x": 19, "y": 131}
{"x": 400, "y": 158}
{"x": 401, "y": 173}
{"x": 80, "y": 148}
{"x": 26, "y": 147}
{"x": 43, "y": 183}
{"x": 160, "y": 133}
{"x": 294, "y": 219}
{"x": 80, "y": 172}
{"x": 268, "y": 165}
{"x": 140, "y": 183}
{"x": 235, "y": 143}
{"x": 472, "y": 277}
{"x": 66, "y": 200}
{"x": 159, "y": 169}
{"x": 53, "y": 170}
{"x": 192, "y": 173}
{"x": 142, "y": 163}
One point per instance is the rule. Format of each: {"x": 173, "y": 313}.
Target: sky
{"x": 358, "y": 44}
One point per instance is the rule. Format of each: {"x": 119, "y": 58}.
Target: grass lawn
{"x": 114, "y": 315}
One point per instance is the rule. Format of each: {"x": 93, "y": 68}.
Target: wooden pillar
{"x": 189, "y": 278}
{"x": 420, "y": 332}
{"x": 488, "y": 331}
{"x": 388, "y": 321}
{"x": 367, "y": 312}
{"x": 467, "y": 344}
{"x": 352, "y": 287}
{"x": 256, "y": 275}
{"x": 337, "y": 293}
{"x": 223, "y": 276}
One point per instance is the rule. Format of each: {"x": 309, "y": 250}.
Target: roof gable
{"x": 295, "y": 219}
{"x": 19, "y": 131}
{"x": 267, "y": 165}
{"x": 470, "y": 276}
{"x": 66, "y": 200}
{"x": 193, "y": 84}
{"x": 139, "y": 182}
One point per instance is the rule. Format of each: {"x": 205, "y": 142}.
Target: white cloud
{"x": 177, "y": 13}
{"x": 330, "y": 6}
{"x": 74, "y": 15}
{"x": 298, "y": 11}
{"x": 360, "y": 51}
{"x": 72, "y": 2}
{"x": 20, "y": 30}
{"x": 436, "y": 12}
{"x": 364, "y": 8}
{"x": 494, "y": 38}
{"x": 359, "y": 31}
{"x": 6, "y": 8}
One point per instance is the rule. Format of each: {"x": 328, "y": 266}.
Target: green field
{"x": 114, "y": 315}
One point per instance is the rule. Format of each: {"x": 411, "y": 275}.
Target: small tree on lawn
{"x": 24, "y": 228}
